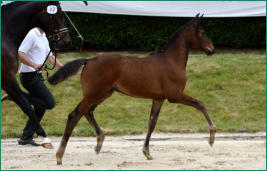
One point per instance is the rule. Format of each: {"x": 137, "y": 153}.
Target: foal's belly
{"x": 141, "y": 89}
{"x": 140, "y": 78}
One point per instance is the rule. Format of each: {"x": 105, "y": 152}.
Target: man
{"x": 32, "y": 54}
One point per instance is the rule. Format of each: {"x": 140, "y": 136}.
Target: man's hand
{"x": 25, "y": 60}
{"x": 38, "y": 67}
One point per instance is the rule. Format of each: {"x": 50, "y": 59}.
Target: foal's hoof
{"x": 59, "y": 159}
{"x": 47, "y": 145}
{"x": 59, "y": 162}
{"x": 211, "y": 142}
{"x": 97, "y": 149}
{"x": 100, "y": 141}
{"x": 147, "y": 154}
{"x": 212, "y": 136}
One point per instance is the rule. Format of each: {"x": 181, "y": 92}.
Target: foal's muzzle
{"x": 210, "y": 51}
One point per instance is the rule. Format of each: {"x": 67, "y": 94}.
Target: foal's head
{"x": 51, "y": 20}
{"x": 199, "y": 39}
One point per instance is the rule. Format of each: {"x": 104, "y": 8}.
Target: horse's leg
{"x": 90, "y": 117}
{"x": 99, "y": 133}
{"x": 187, "y": 100}
{"x": 156, "y": 106}
{"x": 73, "y": 119}
{"x": 33, "y": 100}
{"x": 17, "y": 95}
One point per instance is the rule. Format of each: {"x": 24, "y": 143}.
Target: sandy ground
{"x": 169, "y": 151}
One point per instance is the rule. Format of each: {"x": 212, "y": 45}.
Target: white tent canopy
{"x": 170, "y": 8}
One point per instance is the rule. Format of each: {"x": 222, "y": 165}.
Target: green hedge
{"x": 117, "y": 32}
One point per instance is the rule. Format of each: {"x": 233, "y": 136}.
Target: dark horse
{"x": 159, "y": 76}
{"x": 18, "y": 18}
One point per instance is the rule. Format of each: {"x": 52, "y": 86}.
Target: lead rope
{"x": 46, "y": 68}
{"x": 79, "y": 35}
{"x": 44, "y": 65}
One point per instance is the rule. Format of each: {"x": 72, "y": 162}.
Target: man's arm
{"x": 25, "y": 60}
{"x": 51, "y": 59}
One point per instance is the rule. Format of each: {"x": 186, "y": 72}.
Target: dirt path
{"x": 170, "y": 151}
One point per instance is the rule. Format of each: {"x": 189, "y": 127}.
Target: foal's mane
{"x": 173, "y": 38}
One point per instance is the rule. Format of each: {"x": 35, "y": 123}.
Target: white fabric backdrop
{"x": 170, "y": 8}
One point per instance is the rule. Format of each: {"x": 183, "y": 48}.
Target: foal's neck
{"x": 178, "y": 51}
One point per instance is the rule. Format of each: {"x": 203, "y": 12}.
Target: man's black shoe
{"x": 29, "y": 141}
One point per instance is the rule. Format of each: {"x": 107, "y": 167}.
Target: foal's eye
{"x": 202, "y": 33}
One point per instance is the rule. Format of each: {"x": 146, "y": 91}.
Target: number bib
{"x": 51, "y": 9}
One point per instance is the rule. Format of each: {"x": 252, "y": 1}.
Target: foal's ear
{"x": 199, "y": 20}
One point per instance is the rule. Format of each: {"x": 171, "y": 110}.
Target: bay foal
{"x": 159, "y": 76}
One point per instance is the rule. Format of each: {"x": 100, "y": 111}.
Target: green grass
{"x": 232, "y": 85}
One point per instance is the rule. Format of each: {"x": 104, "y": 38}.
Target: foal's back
{"x": 137, "y": 77}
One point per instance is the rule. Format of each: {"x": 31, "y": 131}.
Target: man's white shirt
{"x": 36, "y": 46}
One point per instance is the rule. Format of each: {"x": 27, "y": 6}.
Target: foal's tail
{"x": 66, "y": 71}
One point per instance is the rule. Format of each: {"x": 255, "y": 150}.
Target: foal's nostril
{"x": 211, "y": 50}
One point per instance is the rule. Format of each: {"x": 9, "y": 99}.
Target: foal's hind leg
{"x": 156, "y": 106}
{"x": 187, "y": 100}
{"x": 73, "y": 119}
{"x": 99, "y": 133}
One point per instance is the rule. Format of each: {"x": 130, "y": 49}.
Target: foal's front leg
{"x": 187, "y": 100}
{"x": 156, "y": 106}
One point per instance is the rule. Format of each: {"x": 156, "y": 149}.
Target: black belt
{"x": 30, "y": 73}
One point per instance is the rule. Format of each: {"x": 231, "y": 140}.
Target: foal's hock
{"x": 159, "y": 76}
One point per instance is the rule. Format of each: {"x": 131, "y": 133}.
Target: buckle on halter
{"x": 56, "y": 36}
{"x": 61, "y": 30}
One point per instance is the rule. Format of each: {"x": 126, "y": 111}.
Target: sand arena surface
{"x": 169, "y": 151}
